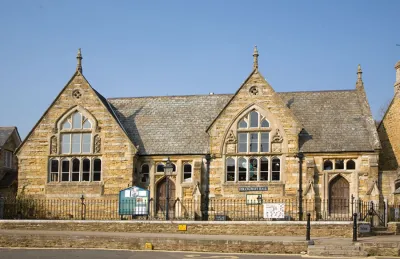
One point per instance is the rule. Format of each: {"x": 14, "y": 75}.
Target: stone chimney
{"x": 397, "y": 83}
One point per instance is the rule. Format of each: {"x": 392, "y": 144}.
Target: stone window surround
{"x": 258, "y": 157}
{"x": 81, "y": 158}
{"x": 58, "y": 129}
{"x": 249, "y": 130}
{"x": 345, "y": 161}
{"x": 179, "y": 169}
{"x": 58, "y": 133}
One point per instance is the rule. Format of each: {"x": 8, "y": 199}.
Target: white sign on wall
{"x": 274, "y": 210}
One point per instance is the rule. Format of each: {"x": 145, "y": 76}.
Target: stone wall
{"x": 116, "y": 150}
{"x": 390, "y": 137}
{"x": 318, "y": 229}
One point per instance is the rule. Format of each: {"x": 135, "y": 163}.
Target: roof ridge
{"x": 320, "y": 91}
{"x": 167, "y": 96}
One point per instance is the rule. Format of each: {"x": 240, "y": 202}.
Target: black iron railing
{"x": 190, "y": 209}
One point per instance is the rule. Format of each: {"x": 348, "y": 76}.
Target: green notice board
{"x": 134, "y": 201}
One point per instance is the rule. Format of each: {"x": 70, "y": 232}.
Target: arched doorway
{"x": 339, "y": 195}
{"x": 162, "y": 197}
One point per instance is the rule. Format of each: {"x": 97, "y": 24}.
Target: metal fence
{"x": 190, "y": 209}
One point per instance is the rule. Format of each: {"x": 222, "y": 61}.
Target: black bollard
{"x": 354, "y": 227}
{"x": 308, "y": 227}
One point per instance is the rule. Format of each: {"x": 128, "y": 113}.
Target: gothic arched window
{"x": 75, "y": 142}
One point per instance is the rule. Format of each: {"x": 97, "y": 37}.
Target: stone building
{"x": 221, "y": 145}
{"x": 389, "y": 135}
{"x": 9, "y": 141}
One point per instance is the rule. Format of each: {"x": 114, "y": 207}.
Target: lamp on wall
{"x": 168, "y": 169}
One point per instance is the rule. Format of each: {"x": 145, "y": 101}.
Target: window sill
{"x": 76, "y": 155}
{"x": 74, "y": 183}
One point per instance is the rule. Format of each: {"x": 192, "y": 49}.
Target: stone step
{"x": 383, "y": 233}
{"x": 336, "y": 250}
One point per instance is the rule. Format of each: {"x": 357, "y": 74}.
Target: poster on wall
{"x": 274, "y": 210}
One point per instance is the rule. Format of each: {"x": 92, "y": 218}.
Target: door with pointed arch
{"x": 339, "y": 195}
{"x": 162, "y": 197}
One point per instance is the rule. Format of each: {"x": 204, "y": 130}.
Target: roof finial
{"x": 79, "y": 59}
{"x": 359, "y": 73}
{"x": 255, "y": 55}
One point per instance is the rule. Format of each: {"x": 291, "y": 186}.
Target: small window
{"x": 242, "y": 142}
{"x": 254, "y": 142}
{"x": 65, "y": 170}
{"x": 54, "y": 170}
{"x": 160, "y": 168}
{"x": 230, "y": 169}
{"x": 253, "y": 169}
{"x": 187, "y": 172}
{"x": 328, "y": 165}
{"x": 77, "y": 121}
{"x": 350, "y": 165}
{"x": 264, "y": 123}
{"x": 264, "y": 169}
{"x": 145, "y": 173}
{"x": 242, "y": 124}
{"x": 173, "y": 167}
{"x": 86, "y": 170}
{"x": 97, "y": 170}
{"x": 253, "y": 119}
{"x": 276, "y": 169}
{"x": 75, "y": 170}
{"x": 339, "y": 164}
{"x": 242, "y": 165}
{"x": 264, "y": 142}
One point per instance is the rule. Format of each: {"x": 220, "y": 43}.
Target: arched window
{"x": 187, "y": 172}
{"x": 160, "y": 168}
{"x": 230, "y": 169}
{"x": 242, "y": 166}
{"x": 65, "y": 170}
{"x": 253, "y": 169}
{"x": 339, "y": 164}
{"x": 173, "y": 167}
{"x": 350, "y": 165}
{"x": 86, "y": 170}
{"x": 145, "y": 173}
{"x": 249, "y": 140}
{"x": 75, "y": 170}
{"x": 276, "y": 169}
{"x": 54, "y": 170}
{"x": 328, "y": 165}
{"x": 264, "y": 169}
{"x": 76, "y": 134}
{"x": 97, "y": 170}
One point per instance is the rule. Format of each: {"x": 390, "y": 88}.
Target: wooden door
{"x": 339, "y": 195}
{"x": 162, "y": 197}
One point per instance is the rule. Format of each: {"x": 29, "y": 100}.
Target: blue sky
{"x": 148, "y": 48}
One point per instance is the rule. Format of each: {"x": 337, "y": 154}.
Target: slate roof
{"x": 169, "y": 124}
{"x": 5, "y": 133}
{"x": 333, "y": 121}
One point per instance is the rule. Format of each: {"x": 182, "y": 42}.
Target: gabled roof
{"x": 169, "y": 124}
{"x": 101, "y": 98}
{"x": 5, "y": 133}
{"x": 333, "y": 121}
